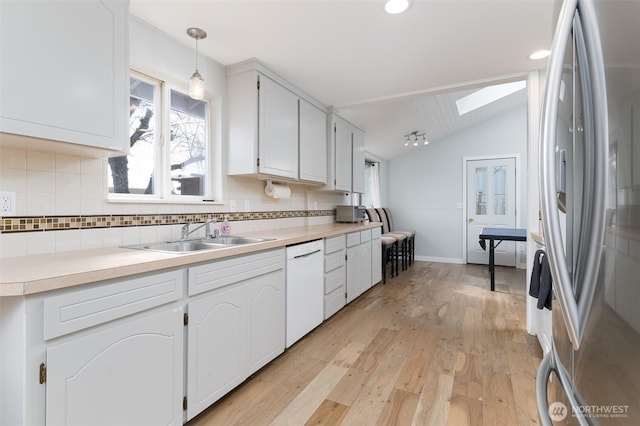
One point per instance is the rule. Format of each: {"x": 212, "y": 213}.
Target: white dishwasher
{"x": 305, "y": 289}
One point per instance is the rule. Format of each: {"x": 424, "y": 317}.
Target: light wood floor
{"x": 431, "y": 347}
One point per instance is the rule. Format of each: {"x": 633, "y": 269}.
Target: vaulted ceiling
{"x": 388, "y": 74}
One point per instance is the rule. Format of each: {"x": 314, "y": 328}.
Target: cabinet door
{"x": 215, "y": 349}
{"x": 343, "y": 154}
{"x": 376, "y": 261}
{"x": 266, "y": 302}
{"x": 357, "y": 177}
{"x": 354, "y": 272}
{"x": 65, "y": 71}
{"x": 128, "y": 374}
{"x": 313, "y": 143}
{"x": 334, "y": 289}
{"x": 366, "y": 259}
{"x": 277, "y": 129}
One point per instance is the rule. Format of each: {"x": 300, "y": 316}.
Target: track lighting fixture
{"x": 415, "y": 137}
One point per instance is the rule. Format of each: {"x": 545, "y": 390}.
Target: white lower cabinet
{"x": 358, "y": 263}
{"x": 215, "y": 350}
{"x": 266, "y": 327}
{"x": 127, "y": 374}
{"x": 236, "y": 325}
{"x": 334, "y": 275}
{"x": 137, "y": 350}
{"x": 376, "y": 256}
{"x": 114, "y": 352}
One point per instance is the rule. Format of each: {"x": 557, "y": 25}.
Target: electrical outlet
{"x": 247, "y": 205}
{"x": 7, "y": 203}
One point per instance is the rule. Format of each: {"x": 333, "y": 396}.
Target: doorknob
{"x": 470, "y": 219}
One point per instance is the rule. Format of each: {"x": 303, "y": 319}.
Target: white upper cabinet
{"x": 65, "y": 72}
{"x": 357, "y": 170}
{"x": 277, "y": 129}
{"x": 342, "y": 130}
{"x": 263, "y": 126}
{"x": 345, "y": 151}
{"x": 268, "y": 135}
{"x": 313, "y": 143}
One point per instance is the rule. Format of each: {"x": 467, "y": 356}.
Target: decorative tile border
{"x": 61, "y": 223}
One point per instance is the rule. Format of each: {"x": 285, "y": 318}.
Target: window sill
{"x": 190, "y": 201}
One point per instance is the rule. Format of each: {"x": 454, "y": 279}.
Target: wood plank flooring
{"x": 433, "y": 346}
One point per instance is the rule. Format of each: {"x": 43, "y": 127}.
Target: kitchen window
{"x": 371, "y": 195}
{"x": 169, "y": 135}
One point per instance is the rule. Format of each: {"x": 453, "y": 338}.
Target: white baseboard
{"x": 440, "y": 259}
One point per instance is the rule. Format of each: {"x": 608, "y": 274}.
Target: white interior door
{"x": 491, "y": 202}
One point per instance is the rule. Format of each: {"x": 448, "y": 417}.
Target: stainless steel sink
{"x": 179, "y": 246}
{"x": 230, "y": 240}
{"x": 188, "y": 246}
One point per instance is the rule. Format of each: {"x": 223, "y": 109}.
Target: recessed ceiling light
{"x": 540, "y": 54}
{"x": 394, "y": 7}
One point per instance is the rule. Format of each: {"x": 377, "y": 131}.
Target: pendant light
{"x": 196, "y": 83}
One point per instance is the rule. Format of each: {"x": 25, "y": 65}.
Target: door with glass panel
{"x": 491, "y": 202}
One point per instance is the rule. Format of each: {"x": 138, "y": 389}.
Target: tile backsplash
{"x": 62, "y": 205}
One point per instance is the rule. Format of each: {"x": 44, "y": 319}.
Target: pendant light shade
{"x": 196, "y": 83}
{"x": 196, "y": 86}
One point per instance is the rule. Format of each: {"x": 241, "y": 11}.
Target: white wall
{"x": 425, "y": 186}
{"x": 52, "y": 184}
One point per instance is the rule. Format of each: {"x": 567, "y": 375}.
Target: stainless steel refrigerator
{"x": 590, "y": 199}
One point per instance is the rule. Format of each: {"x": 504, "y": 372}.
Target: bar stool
{"x": 401, "y": 251}
{"x": 389, "y": 248}
{"x": 389, "y": 245}
{"x": 409, "y": 234}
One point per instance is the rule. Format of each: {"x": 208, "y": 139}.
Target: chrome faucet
{"x": 207, "y": 230}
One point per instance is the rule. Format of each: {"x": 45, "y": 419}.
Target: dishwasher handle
{"x": 307, "y": 254}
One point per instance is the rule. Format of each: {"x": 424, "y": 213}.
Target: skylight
{"x": 487, "y": 95}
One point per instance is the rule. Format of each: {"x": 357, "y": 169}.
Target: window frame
{"x": 162, "y": 167}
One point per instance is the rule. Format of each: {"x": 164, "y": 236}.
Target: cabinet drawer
{"x": 230, "y": 271}
{"x": 365, "y": 236}
{"x": 376, "y": 232}
{"x": 81, "y": 309}
{"x": 353, "y": 239}
{"x": 333, "y": 303}
{"x": 334, "y": 244}
{"x": 333, "y": 261}
{"x": 333, "y": 280}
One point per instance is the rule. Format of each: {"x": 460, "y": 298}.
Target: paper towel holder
{"x": 271, "y": 189}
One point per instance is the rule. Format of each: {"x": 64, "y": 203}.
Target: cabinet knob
{"x": 470, "y": 219}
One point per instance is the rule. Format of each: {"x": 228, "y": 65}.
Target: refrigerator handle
{"x": 550, "y": 364}
{"x": 596, "y": 210}
{"x": 586, "y": 119}
{"x": 563, "y": 288}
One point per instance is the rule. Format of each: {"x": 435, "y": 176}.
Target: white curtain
{"x": 375, "y": 185}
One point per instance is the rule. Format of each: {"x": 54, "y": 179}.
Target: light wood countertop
{"x": 26, "y": 275}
